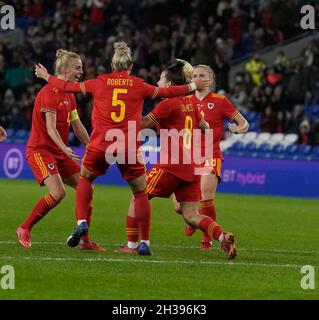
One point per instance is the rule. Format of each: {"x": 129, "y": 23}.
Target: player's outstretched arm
{"x": 147, "y": 122}
{"x": 174, "y": 91}
{"x": 3, "y": 134}
{"x": 84, "y": 87}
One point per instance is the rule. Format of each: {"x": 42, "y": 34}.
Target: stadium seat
{"x": 263, "y": 137}
{"x": 20, "y": 136}
{"x": 234, "y": 137}
{"x": 263, "y": 150}
{"x": 251, "y": 116}
{"x": 289, "y": 139}
{"x": 236, "y": 149}
{"x": 27, "y": 136}
{"x": 290, "y": 152}
{"x": 314, "y": 154}
{"x": 315, "y": 150}
{"x": 277, "y": 151}
{"x": 238, "y": 146}
{"x": 10, "y": 135}
{"x": 71, "y": 138}
{"x": 225, "y": 144}
{"x": 276, "y": 138}
{"x": 249, "y": 137}
{"x": 250, "y": 149}
{"x": 303, "y": 152}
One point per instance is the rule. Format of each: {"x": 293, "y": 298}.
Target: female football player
{"x": 51, "y": 160}
{"x": 118, "y": 101}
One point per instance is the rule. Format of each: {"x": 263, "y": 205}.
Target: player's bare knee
{"x": 207, "y": 193}
{"x": 188, "y": 217}
{"x": 58, "y": 194}
{"x": 137, "y": 185}
{"x": 177, "y": 207}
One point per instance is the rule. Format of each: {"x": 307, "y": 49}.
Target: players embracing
{"x": 216, "y": 109}
{"x": 117, "y": 101}
{"x": 182, "y": 178}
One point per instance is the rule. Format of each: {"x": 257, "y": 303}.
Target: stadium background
{"x": 277, "y": 93}
{"x": 264, "y": 62}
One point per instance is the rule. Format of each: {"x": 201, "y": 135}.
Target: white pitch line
{"x": 44, "y": 243}
{"x": 230, "y": 263}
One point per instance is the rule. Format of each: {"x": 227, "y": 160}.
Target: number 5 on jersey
{"x": 118, "y": 116}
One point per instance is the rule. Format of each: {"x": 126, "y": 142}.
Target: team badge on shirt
{"x": 210, "y": 105}
{"x": 51, "y": 166}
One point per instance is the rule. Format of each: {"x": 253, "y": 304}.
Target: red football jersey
{"x": 118, "y": 98}
{"x": 50, "y": 99}
{"x": 215, "y": 108}
{"x": 177, "y": 113}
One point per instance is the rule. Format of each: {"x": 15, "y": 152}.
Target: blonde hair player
{"x": 215, "y": 108}
{"x": 165, "y": 179}
{"x": 51, "y": 160}
{"x": 118, "y": 100}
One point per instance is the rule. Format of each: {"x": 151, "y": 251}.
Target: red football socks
{"x": 132, "y": 232}
{"x": 143, "y": 214}
{"x": 86, "y": 237}
{"x": 211, "y": 227}
{"x": 84, "y": 196}
{"x": 39, "y": 211}
{"x": 207, "y": 209}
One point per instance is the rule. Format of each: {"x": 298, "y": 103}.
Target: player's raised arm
{"x": 147, "y": 123}
{"x": 3, "y": 134}
{"x": 84, "y": 87}
{"x": 173, "y": 91}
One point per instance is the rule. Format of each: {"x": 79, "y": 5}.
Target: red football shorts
{"x": 161, "y": 183}
{"x": 216, "y": 165}
{"x": 95, "y": 162}
{"x": 44, "y": 164}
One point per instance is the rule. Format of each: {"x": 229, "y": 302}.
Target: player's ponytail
{"x": 210, "y": 72}
{"x": 188, "y": 70}
{"x": 179, "y": 73}
{"x": 62, "y": 59}
{"x": 122, "y": 58}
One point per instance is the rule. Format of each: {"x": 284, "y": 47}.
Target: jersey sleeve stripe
{"x": 48, "y": 110}
{"x": 155, "y": 93}
{"x": 234, "y": 115}
{"x": 152, "y": 117}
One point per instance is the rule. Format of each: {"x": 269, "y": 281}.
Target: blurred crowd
{"x": 284, "y": 94}
{"x": 201, "y": 31}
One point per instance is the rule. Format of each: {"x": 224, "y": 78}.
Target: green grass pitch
{"x": 275, "y": 237}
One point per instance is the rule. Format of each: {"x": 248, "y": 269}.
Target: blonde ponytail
{"x": 188, "y": 70}
{"x": 122, "y": 58}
